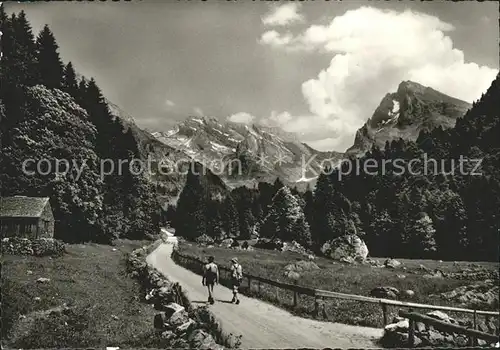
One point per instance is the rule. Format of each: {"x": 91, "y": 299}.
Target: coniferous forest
{"x": 48, "y": 113}
{"x": 440, "y": 213}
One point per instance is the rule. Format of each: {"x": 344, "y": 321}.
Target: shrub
{"x": 36, "y": 247}
{"x": 205, "y": 240}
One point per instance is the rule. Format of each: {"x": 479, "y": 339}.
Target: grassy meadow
{"x": 91, "y": 279}
{"x": 357, "y": 279}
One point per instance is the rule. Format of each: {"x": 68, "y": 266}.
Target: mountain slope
{"x": 404, "y": 113}
{"x": 244, "y": 155}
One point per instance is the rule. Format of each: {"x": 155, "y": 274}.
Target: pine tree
{"x": 309, "y": 206}
{"x": 191, "y": 209}
{"x": 49, "y": 63}
{"x": 69, "y": 83}
{"x": 170, "y": 215}
{"x": 24, "y": 70}
{"x": 247, "y": 223}
{"x": 286, "y": 219}
{"x": 231, "y": 218}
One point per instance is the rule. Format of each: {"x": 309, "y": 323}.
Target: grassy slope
{"x": 334, "y": 276}
{"x": 92, "y": 279}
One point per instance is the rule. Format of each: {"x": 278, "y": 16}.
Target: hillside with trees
{"x": 435, "y": 211}
{"x": 48, "y": 114}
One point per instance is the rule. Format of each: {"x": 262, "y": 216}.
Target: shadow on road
{"x": 224, "y": 301}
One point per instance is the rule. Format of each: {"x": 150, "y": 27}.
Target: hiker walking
{"x": 210, "y": 277}
{"x": 236, "y": 278}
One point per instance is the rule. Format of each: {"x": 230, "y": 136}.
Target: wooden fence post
{"x": 316, "y": 306}
{"x": 473, "y": 339}
{"x": 258, "y": 287}
{"x": 249, "y": 284}
{"x": 411, "y": 333}
{"x": 323, "y": 308}
{"x": 384, "y": 312}
{"x": 295, "y": 295}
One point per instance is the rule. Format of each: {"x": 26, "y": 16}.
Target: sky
{"x": 317, "y": 68}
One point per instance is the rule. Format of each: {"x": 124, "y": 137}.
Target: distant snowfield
{"x": 305, "y": 179}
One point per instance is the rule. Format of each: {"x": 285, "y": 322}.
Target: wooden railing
{"x": 321, "y": 295}
{"x": 445, "y": 327}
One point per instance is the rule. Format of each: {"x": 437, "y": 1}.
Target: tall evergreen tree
{"x": 70, "y": 83}
{"x": 247, "y": 223}
{"x": 49, "y": 63}
{"x": 24, "y": 70}
{"x": 231, "y": 218}
{"x": 286, "y": 219}
{"x": 191, "y": 216}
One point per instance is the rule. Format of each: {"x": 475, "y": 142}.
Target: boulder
{"x": 409, "y": 293}
{"x": 439, "y": 315}
{"x": 399, "y": 326}
{"x": 374, "y": 263}
{"x": 479, "y": 295}
{"x": 176, "y": 315}
{"x": 385, "y": 292}
{"x": 185, "y": 326}
{"x": 204, "y": 240}
{"x": 301, "y": 266}
{"x": 168, "y": 335}
{"x": 436, "y": 274}
{"x": 43, "y": 280}
{"x": 347, "y": 246}
{"x": 199, "y": 339}
{"x": 228, "y": 242}
{"x": 347, "y": 260}
{"x": 294, "y": 247}
{"x": 392, "y": 263}
{"x": 396, "y": 334}
{"x": 293, "y": 275}
{"x": 423, "y": 268}
{"x": 420, "y": 327}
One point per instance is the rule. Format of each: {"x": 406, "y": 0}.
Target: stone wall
{"x": 36, "y": 247}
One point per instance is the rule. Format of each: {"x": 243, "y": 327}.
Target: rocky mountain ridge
{"x": 406, "y": 112}
{"x": 246, "y": 154}
{"x": 243, "y": 155}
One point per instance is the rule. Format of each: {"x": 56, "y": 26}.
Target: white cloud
{"x": 273, "y": 38}
{"x": 283, "y": 15}
{"x": 373, "y": 51}
{"x": 169, "y": 103}
{"x": 198, "y": 111}
{"x": 241, "y": 117}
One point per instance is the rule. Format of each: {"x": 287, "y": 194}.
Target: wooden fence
{"x": 445, "y": 327}
{"x": 321, "y": 295}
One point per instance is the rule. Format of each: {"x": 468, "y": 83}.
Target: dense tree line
{"x": 47, "y": 112}
{"x": 435, "y": 212}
